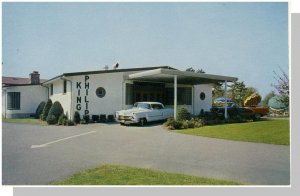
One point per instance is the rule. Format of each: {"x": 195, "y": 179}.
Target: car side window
{"x": 157, "y": 106}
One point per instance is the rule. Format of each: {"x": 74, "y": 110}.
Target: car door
{"x": 156, "y": 112}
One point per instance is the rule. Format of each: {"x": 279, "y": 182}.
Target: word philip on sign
{"x": 78, "y": 98}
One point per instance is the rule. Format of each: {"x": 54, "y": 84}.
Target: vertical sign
{"x": 79, "y": 95}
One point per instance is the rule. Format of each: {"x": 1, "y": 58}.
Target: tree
{"x": 249, "y": 91}
{"x": 218, "y": 91}
{"x": 237, "y": 92}
{"x": 191, "y": 69}
{"x": 267, "y": 98}
{"x": 282, "y": 86}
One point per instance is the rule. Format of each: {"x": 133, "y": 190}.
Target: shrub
{"x": 56, "y": 110}
{"x": 83, "y": 121}
{"x": 176, "y": 124}
{"x": 95, "y": 118}
{"x": 51, "y": 120}
{"x": 46, "y": 109}
{"x": 169, "y": 121}
{"x": 77, "y": 117}
{"x": 62, "y": 120}
{"x": 70, "y": 123}
{"x": 86, "y": 118}
{"x": 110, "y": 118}
{"x": 102, "y": 118}
{"x": 183, "y": 114}
{"x": 39, "y": 109}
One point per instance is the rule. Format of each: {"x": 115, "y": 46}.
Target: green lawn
{"x": 24, "y": 121}
{"x": 123, "y": 175}
{"x": 269, "y": 131}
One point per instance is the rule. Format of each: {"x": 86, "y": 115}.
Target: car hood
{"x": 131, "y": 111}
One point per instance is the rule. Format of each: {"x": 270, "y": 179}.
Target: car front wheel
{"x": 143, "y": 121}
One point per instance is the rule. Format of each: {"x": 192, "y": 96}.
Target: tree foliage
{"x": 218, "y": 91}
{"x": 191, "y": 69}
{"x": 238, "y": 92}
{"x": 267, "y": 98}
{"x": 282, "y": 85}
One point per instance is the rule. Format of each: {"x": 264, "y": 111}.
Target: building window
{"x": 13, "y": 100}
{"x": 51, "y": 89}
{"x": 184, "y": 96}
{"x": 202, "y": 95}
{"x": 65, "y": 86}
{"x": 129, "y": 94}
{"x": 100, "y": 92}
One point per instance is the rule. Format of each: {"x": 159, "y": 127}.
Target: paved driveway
{"x": 39, "y": 155}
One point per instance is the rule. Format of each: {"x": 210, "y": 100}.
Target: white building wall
{"x": 63, "y": 98}
{"x": 84, "y": 88}
{"x": 205, "y": 104}
{"x": 30, "y": 98}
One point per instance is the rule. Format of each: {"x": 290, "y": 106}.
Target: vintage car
{"x": 143, "y": 112}
{"x": 252, "y": 112}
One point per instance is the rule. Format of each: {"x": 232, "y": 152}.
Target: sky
{"x": 244, "y": 40}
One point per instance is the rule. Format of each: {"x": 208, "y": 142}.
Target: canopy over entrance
{"x": 181, "y": 77}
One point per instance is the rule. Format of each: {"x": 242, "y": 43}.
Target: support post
{"x": 175, "y": 96}
{"x": 225, "y": 95}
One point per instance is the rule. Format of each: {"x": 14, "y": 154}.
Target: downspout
{"x": 71, "y": 103}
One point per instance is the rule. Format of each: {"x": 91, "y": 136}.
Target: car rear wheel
{"x": 143, "y": 121}
{"x": 257, "y": 116}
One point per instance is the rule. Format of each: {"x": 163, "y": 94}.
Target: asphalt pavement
{"x": 40, "y": 155}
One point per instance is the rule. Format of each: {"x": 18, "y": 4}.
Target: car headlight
{"x": 133, "y": 116}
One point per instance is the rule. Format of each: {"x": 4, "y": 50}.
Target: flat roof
{"x": 183, "y": 77}
{"x": 108, "y": 71}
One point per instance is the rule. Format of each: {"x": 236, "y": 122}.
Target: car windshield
{"x": 142, "y": 105}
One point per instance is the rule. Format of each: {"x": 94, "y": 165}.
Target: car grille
{"x": 121, "y": 117}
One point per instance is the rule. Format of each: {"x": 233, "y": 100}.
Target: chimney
{"x": 34, "y": 77}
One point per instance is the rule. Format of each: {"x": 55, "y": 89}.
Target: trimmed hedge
{"x": 102, "y": 118}
{"x": 39, "y": 109}
{"x": 56, "y": 110}
{"x": 46, "y": 110}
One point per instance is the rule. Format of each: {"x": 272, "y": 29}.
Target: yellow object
{"x": 252, "y": 100}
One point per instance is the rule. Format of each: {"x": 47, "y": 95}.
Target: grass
{"x": 123, "y": 175}
{"x": 24, "y": 121}
{"x": 265, "y": 131}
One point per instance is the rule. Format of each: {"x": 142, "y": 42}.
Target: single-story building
{"x": 107, "y": 91}
{"x": 21, "y": 96}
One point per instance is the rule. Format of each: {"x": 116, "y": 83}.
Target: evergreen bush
{"x": 39, "y": 109}
{"x": 62, "y": 120}
{"x": 46, "y": 110}
{"x": 86, "y": 118}
{"x": 77, "y": 117}
{"x": 51, "y": 120}
{"x": 56, "y": 110}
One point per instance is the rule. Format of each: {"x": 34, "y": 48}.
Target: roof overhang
{"x": 183, "y": 77}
